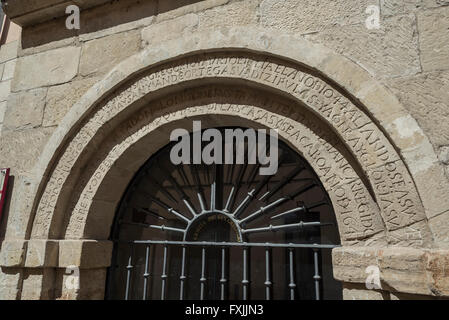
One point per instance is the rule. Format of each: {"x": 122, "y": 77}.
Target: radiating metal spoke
{"x": 197, "y": 181}
{"x": 152, "y": 226}
{"x": 285, "y": 227}
{"x": 228, "y": 203}
{"x": 146, "y": 274}
{"x": 244, "y": 204}
{"x": 151, "y": 213}
{"x": 264, "y": 209}
{"x": 170, "y": 209}
{"x": 283, "y": 182}
{"x": 300, "y": 209}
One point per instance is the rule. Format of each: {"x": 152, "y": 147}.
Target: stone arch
{"x": 367, "y": 99}
{"x": 149, "y": 130}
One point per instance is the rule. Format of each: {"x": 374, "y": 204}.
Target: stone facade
{"x": 366, "y": 107}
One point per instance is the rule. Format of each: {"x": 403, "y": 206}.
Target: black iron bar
{"x": 183, "y": 277}
{"x": 268, "y": 282}
{"x": 317, "y": 276}
{"x": 241, "y": 208}
{"x": 162, "y": 227}
{"x": 245, "y": 280}
{"x": 223, "y": 279}
{"x": 233, "y": 244}
{"x": 291, "y": 226}
{"x": 129, "y": 269}
{"x": 203, "y": 273}
{"x": 292, "y": 284}
{"x": 146, "y": 273}
{"x": 164, "y": 275}
{"x": 283, "y": 182}
{"x": 151, "y": 213}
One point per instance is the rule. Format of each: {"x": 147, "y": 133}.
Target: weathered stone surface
{"x": 41, "y": 253}
{"x": 434, "y": 38}
{"x": 8, "y": 51}
{"x": 5, "y": 90}
{"x": 25, "y": 110}
{"x": 167, "y": 11}
{"x": 13, "y": 253}
{"x": 3, "y": 106}
{"x": 353, "y": 291}
{"x": 440, "y": 230}
{"x": 20, "y": 150}
{"x": 232, "y": 14}
{"x": 61, "y": 98}
{"x": 8, "y": 71}
{"x": 388, "y": 52}
{"x": 417, "y": 271}
{"x": 426, "y": 97}
{"x": 87, "y": 254}
{"x": 49, "y": 68}
{"x": 9, "y": 283}
{"x": 169, "y": 29}
{"x": 395, "y": 7}
{"x": 308, "y": 16}
{"x": 38, "y": 284}
{"x": 100, "y": 55}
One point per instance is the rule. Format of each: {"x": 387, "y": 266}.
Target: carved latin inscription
{"x": 350, "y": 124}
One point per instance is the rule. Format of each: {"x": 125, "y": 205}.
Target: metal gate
{"x": 245, "y": 248}
{"x": 224, "y": 232}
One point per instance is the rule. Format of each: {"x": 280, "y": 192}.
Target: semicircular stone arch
{"x": 387, "y": 188}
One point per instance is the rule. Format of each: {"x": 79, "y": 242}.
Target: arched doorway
{"x": 196, "y": 231}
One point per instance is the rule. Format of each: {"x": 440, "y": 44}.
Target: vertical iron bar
{"x": 267, "y": 270}
{"x": 245, "y": 281}
{"x": 146, "y": 274}
{"x": 183, "y": 277}
{"x": 212, "y": 195}
{"x": 129, "y": 268}
{"x": 203, "y": 272}
{"x": 316, "y": 277}
{"x": 292, "y": 284}
{"x": 164, "y": 273}
{"x": 223, "y": 279}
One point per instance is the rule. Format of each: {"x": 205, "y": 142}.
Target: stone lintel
{"x": 29, "y": 12}
{"x": 35, "y": 253}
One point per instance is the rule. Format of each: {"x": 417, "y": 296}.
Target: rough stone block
{"x": 41, "y": 253}
{"x": 49, "y": 68}
{"x": 25, "y": 110}
{"x": 86, "y": 254}
{"x": 434, "y": 38}
{"x": 61, "y": 98}
{"x": 390, "y": 51}
{"x": 20, "y": 150}
{"x": 12, "y": 253}
{"x": 101, "y": 55}
{"x": 166, "y": 30}
{"x": 8, "y": 51}
{"x": 311, "y": 16}
{"x": 8, "y": 72}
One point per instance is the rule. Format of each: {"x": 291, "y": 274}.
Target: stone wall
{"x": 51, "y": 68}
